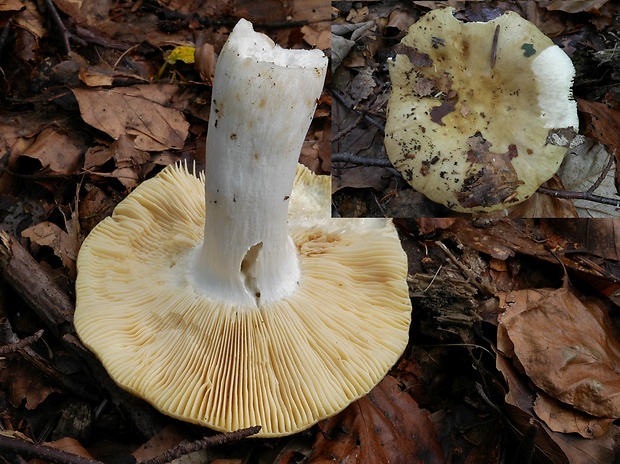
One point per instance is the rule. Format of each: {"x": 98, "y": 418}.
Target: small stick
{"x": 220, "y": 439}
{"x": 579, "y": 196}
{"x": 12, "y": 347}
{"x": 45, "y": 453}
{"x": 359, "y": 160}
{"x": 352, "y": 107}
{"x": 494, "y": 46}
{"x": 603, "y": 174}
{"x": 59, "y": 24}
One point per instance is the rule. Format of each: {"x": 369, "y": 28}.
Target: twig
{"x": 588, "y": 194}
{"x": 352, "y": 107}
{"x": 59, "y": 24}
{"x": 359, "y": 160}
{"x": 220, "y": 439}
{"x": 64, "y": 32}
{"x": 344, "y": 131}
{"x": 604, "y": 173}
{"x": 12, "y": 347}
{"x": 579, "y": 196}
{"x": 37, "y": 451}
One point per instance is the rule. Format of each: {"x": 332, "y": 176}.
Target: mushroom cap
{"x": 480, "y": 114}
{"x": 283, "y": 365}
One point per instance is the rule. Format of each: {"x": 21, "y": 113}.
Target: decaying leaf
{"x": 581, "y": 168}
{"x": 204, "y": 61}
{"x": 127, "y": 158}
{"x": 318, "y": 39}
{"x": 25, "y": 385}
{"x": 560, "y": 417}
{"x": 63, "y": 245}
{"x": 567, "y": 347}
{"x": 387, "y": 426}
{"x": 70, "y": 445}
{"x": 554, "y": 447}
{"x": 94, "y": 207}
{"x": 56, "y": 151}
{"x": 140, "y": 111}
{"x": 8, "y": 9}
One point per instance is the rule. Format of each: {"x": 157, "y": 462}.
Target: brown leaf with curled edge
{"x": 63, "y": 245}
{"x": 8, "y": 9}
{"x": 561, "y": 417}
{"x": 600, "y": 237}
{"x": 25, "y": 384}
{"x": 56, "y": 151}
{"x": 602, "y": 123}
{"x": 140, "y": 111}
{"x": 567, "y": 347}
{"x": 551, "y": 446}
{"x": 386, "y": 426}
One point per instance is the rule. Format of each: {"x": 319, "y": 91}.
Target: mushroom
{"x": 480, "y": 114}
{"x": 215, "y": 302}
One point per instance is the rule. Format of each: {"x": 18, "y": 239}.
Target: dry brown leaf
{"x": 514, "y": 303}
{"x": 401, "y": 20}
{"x": 93, "y": 77}
{"x": 96, "y": 156}
{"x": 166, "y": 439}
{"x": 600, "y": 237}
{"x": 387, "y": 426}
{"x": 428, "y": 226}
{"x": 127, "y": 176}
{"x": 360, "y": 177}
{"x": 318, "y": 39}
{"x": 204, "y": 62}
{"x": 125, "y": 153}
{"x": 139, "y": 111}
{"x": 8, "y": 9}
{"x": 50, "y": 235}
{"x": 31, "y": 20}
{"x": 70, "y": 445}
{"x": 25, "y": 384}
{"x": 568, "y": 349}
{"x": 93, "y": 208}
{"x": 602, "y": 123}
{"x": 558, "y": 448}
{"x": 127, "y": 158}
{"x": 561, "y": 417}
{"x": 56, "y": 151}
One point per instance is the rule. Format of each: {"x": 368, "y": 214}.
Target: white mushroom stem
{"x": 262, "y": 105}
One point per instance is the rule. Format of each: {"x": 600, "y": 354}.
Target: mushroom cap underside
{"x": 480, "y": 114}
{"x": 283, "y": 366}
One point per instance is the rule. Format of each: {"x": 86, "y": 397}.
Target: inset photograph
{"x": 484, "y": 109}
